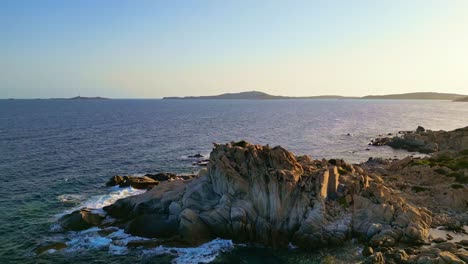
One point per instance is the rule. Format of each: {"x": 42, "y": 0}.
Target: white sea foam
{"x": 116, "y": 242}
{"x": 202, "y": 254}
{"x": 86, "y": 241}
{"x": 70, "y": 198}
{"x": 99, "y": 201}
{"x": 90, "y": 239}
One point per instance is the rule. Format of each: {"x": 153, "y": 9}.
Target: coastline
{"x": 376, "y": 171}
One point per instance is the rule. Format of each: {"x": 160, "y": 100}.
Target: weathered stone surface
{"x": 450, "y": 258}
{"x": 427, "y": 141}
{"x": 439, "y": 240}
{"x": 367, "y": 251}
{"x": 135, "y": 182}
{"x": 115, "y": 180}
{"x": 81, "y": 219}
{"x": 267, "y": 195}
{"x": 164, "y": 176}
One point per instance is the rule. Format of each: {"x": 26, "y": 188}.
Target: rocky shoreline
{"x": 259, "y": 194}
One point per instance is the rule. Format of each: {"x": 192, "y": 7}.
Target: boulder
{"x": 367, "y": 251}
{"x": 376, "y": 258}
{"x": 164, "y": 176}
{"x": 81, "y": 219}
{"x": 144, "y": 182}
{"x": 115, "y": 180}
{"x": 450, "y": 258}
{"x": 439, "y": 240}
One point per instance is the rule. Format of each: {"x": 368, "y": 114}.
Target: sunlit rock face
{"x": 267, "y": 195}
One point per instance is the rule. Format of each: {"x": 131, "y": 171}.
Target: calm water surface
{"x": 53, "y": 148}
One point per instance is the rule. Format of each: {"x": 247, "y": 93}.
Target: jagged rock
{"x": 135, "y": 182}
{"x": 426, "y": 141}
{"x": 377, "y": 258}
{"x": 447, "y": 246}
{"x": 367, "y": 251}
{"x": 420, "y": 129}
{"x": 115, "y": 180}
{"x": 164, "y": 176}
{"x": 81, "y": 219}
{"x": 373, "y": 229}
{"x": 400, "y": 256}
{"x": 450, "y": 258}
{"x": 463, "y": 255}
{"x": 267, "y": 195}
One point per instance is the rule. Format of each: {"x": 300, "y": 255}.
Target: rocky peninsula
{"x": 267, "y": 195}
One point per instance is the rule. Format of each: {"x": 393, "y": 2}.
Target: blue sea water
{"x": 56, "y": 155}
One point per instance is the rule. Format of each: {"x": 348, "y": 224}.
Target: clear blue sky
{"x": 140, "y": 49}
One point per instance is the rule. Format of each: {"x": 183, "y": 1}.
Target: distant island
{"x": 463, "y": 99}
{"x": 255, "y": 95}
{"x": 417, "y": 96}
{"x": 81, "y": 98}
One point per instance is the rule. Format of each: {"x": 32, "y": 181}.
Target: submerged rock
{"x": 50, "y": 247}
{"x": 198, "y": 155}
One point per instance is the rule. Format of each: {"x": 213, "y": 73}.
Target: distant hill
{"x": 255, "y": 95}
{"x": 81, "y": 98}
{"x": 463, "y": 99}
{"x": 88, "y": 98}
{"x": 417, "y": 96}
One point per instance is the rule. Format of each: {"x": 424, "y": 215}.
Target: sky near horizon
{"x": 152, "y": 49}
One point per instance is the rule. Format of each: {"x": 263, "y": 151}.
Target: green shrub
{"x": 452, "y": 163}
{"x": 459, "y": 177}
{"x": 242, "y": 144}
{"x": 422, "y": 162}
{"x": 441, "y": 171}
{"x": 457, "y": 186}
{"x": 419, "y": 189}
{"x": 328, "y": 260}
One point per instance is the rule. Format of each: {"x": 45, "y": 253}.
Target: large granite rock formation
{"x": 267, "y": 195}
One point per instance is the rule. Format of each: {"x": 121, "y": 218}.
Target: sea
{"x": 56, "y": 156}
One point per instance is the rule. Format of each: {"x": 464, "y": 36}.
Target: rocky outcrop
{"x": 426, "y": 141}
{"x": 146, "y": 182}
{"x": 135, "y": 182}
{"x": 81, "y": 219}
{"x": 254, "y": 193}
